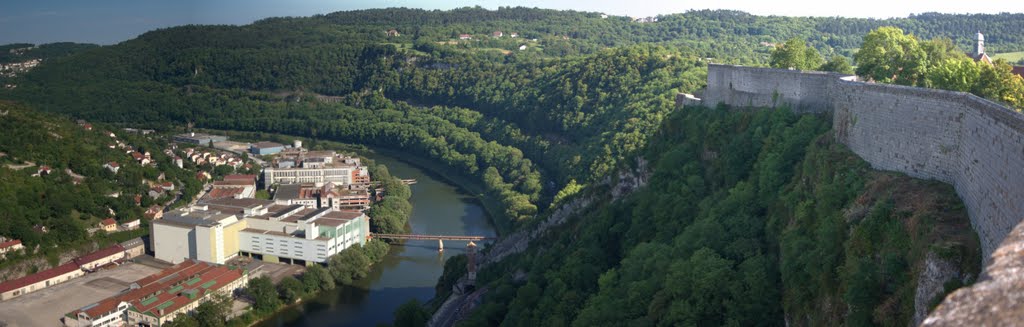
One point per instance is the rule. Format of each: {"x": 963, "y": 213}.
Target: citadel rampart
{"x": 972, "y": 143}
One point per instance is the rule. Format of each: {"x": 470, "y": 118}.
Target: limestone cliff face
{"x": 997, "y": 299}
{"x": 931, "y": 283}
{"x": 627, "y": 181}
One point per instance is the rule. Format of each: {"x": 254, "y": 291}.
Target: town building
{"x": 979, "y": 55}
{"x": 327, "y": 196}
{"x": 266, "y": 148}
{"x": 196, "y": 233}
{"x": 233, "y": 186}
{"x": 316, "y": 167}
{"x": 159, "y": 298}
{"x": 154, "y": 212}
{"x": 46, "y": 278}
{"x": 108, "y": 225}
{"x": 217, "y": 230}
{"x": 8, "y": 246}
{"x": 199, "y": 138}
{"x": 131, "y": 225}
{"x": 133, "y": 248}
{"x": 100, "y": 258}
{"x": 112, "y": 166}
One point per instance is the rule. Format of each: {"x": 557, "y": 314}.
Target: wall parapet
{"x": 973, "y": 143}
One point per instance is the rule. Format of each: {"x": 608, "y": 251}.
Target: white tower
{"x": 981, "y": 43}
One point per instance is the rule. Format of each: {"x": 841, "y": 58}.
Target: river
{"x": 409, "y": 271}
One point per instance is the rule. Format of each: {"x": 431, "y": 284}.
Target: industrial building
{"x": 316, "y": 167}
{"x": 266, "y": 148}
{"x": 77, "y": 267}
{"x": 199, "y": 138}
{"x": 327, "y": 196}
{"x": 218, "y": 230}
{"x": 157, "y": 299}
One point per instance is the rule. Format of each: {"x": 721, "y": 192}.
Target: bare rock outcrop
{"x": 997, "y": 298}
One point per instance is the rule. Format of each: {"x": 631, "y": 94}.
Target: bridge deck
{"x": 431, "y": 237}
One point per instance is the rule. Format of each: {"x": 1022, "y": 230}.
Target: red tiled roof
{"x": 220, "y": 193}
{"x": 248, "y": 178}
{"x": 1018, "y": 70}
{"x": 10, "y": 243}
{"x": 37, "y": 277}
{"x": 108, "y": 222}
{"x": 91, "y": 257}
{"x": 234, "y": 182}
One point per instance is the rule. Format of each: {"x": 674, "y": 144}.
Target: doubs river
{"x": 410, "y": 271}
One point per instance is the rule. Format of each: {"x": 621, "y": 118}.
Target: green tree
{"x": 213, "y": 312}
{"x": 888, "y": 55}
{"x": 316, "y": 279}
{"x": 838, "y": 64}
{"x": 796, "y": 54}
{"x": 956, "y": 74}
{"x": 290, "y": 289}
{"x": 263, "y": 293}
{"x": 349, "y": 265}
{"x": 411, "y": 314}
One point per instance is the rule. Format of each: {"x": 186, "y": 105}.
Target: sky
{"x": 113, "y": 21}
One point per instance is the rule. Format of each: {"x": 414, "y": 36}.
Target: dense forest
{"x": 750, "y": 219}
{"x": 54, "y": 186}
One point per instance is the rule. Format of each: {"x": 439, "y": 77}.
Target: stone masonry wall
{"x": 958, "y": 138}
{"x": 765, "y": 87}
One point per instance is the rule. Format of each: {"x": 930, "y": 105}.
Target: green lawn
{"x": 1012, "y": 57}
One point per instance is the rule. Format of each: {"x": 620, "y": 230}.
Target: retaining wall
{"x": 972, "y": 143}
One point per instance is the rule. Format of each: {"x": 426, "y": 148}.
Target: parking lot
{"x": 45, "y": 307}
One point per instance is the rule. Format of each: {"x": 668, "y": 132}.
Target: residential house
{"x": 131, "y": 225}
{"x": 392, "y": 32}
{"x": 112, "y": 166}
{"x": 465, "y": 37}
{"x": 108, "y": 225}
{"x": 497, "y": 34}
{"x": 9, "y": 246}
{"x": 154, "y": 212}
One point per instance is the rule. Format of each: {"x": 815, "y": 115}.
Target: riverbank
{"x": 469, "y": 184}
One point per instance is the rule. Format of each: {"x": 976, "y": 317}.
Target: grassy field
{"x": 1012, "y": 57}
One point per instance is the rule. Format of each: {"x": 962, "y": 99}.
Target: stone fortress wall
{"x": 972, "y": 143}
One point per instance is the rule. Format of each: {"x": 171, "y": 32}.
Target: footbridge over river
{"x": 440, "y": 238}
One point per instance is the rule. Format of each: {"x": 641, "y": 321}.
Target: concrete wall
{"x": 173, "y": 243}
{"x": 972, "y": 143}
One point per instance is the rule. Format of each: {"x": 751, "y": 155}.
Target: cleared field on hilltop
{"x": 1012, "y": 57}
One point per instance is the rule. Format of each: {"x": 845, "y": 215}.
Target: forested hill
{"x": 567, "y": 100}
{"x": 751, "y": 218}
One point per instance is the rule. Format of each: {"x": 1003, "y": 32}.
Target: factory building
{"x": 218, "y": 230}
